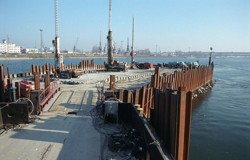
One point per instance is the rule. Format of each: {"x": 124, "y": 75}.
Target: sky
{"x": 162, "y": 25}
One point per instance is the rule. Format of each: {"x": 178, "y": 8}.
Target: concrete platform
{"x": 55, "y": 134}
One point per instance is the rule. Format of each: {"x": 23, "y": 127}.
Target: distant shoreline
{"x": 2, "y": 58}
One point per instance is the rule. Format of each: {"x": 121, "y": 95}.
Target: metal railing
{"x": 47, "y": 94}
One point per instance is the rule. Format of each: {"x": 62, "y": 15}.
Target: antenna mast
{"x": 109, "y": 38}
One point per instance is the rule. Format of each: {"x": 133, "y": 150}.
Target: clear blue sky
{"x": 169, "y": 24}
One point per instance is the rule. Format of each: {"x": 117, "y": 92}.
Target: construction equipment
{"x": 112, "y": 65}
{"x": 56, "y": 43}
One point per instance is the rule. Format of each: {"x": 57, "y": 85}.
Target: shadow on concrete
{"x": 76, "y": 133}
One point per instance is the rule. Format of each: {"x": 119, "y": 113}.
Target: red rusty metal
{"x": 142, "y": 99}
{"x": 129, "y": 96}
{"x": 44, "y": 98}
{"x": 181, "y": 121}
{"x": 187, "y": 125}
{"x": 136, "y": 96}
{"x": 37, "y": 80}
{"x": 25, "y": 87}
{"x": 172, "y": 109}
{"x": 172, "y": 124}
{"x": 112, "y": 82}
{"x": 121, "y": 95}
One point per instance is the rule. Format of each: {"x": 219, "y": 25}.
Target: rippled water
{"x": 220, "y": 122}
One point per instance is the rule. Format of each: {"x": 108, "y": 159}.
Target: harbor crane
{"x": 74, "y": 47}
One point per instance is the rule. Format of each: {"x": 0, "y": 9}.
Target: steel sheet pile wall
{"x": 190, "y": 78}
{"x": 167, "y": 103}
{"x": 42, "y": 69}
{"x": 85, "y": 65}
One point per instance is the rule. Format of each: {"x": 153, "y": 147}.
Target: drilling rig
{"x": 56, "y": 43}
{"x": 112, "y": 64}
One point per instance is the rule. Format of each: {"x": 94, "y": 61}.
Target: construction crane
{"x": 56, "y": 42}
{"x": 100, "y": 43}
{"x": 74, "y": 47}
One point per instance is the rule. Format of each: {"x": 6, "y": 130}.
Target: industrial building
{"x": 9, "y": 47}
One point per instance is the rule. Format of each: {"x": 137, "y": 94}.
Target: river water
{"x": 220, "y": 122}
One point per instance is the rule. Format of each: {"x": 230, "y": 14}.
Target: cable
{"x": 20, "y": 99}
{"x": 23, "y": 99}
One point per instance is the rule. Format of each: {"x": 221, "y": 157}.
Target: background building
{"x": 9, "y": 47}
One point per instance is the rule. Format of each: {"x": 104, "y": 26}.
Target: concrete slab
{"x": 57, "y": 135}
